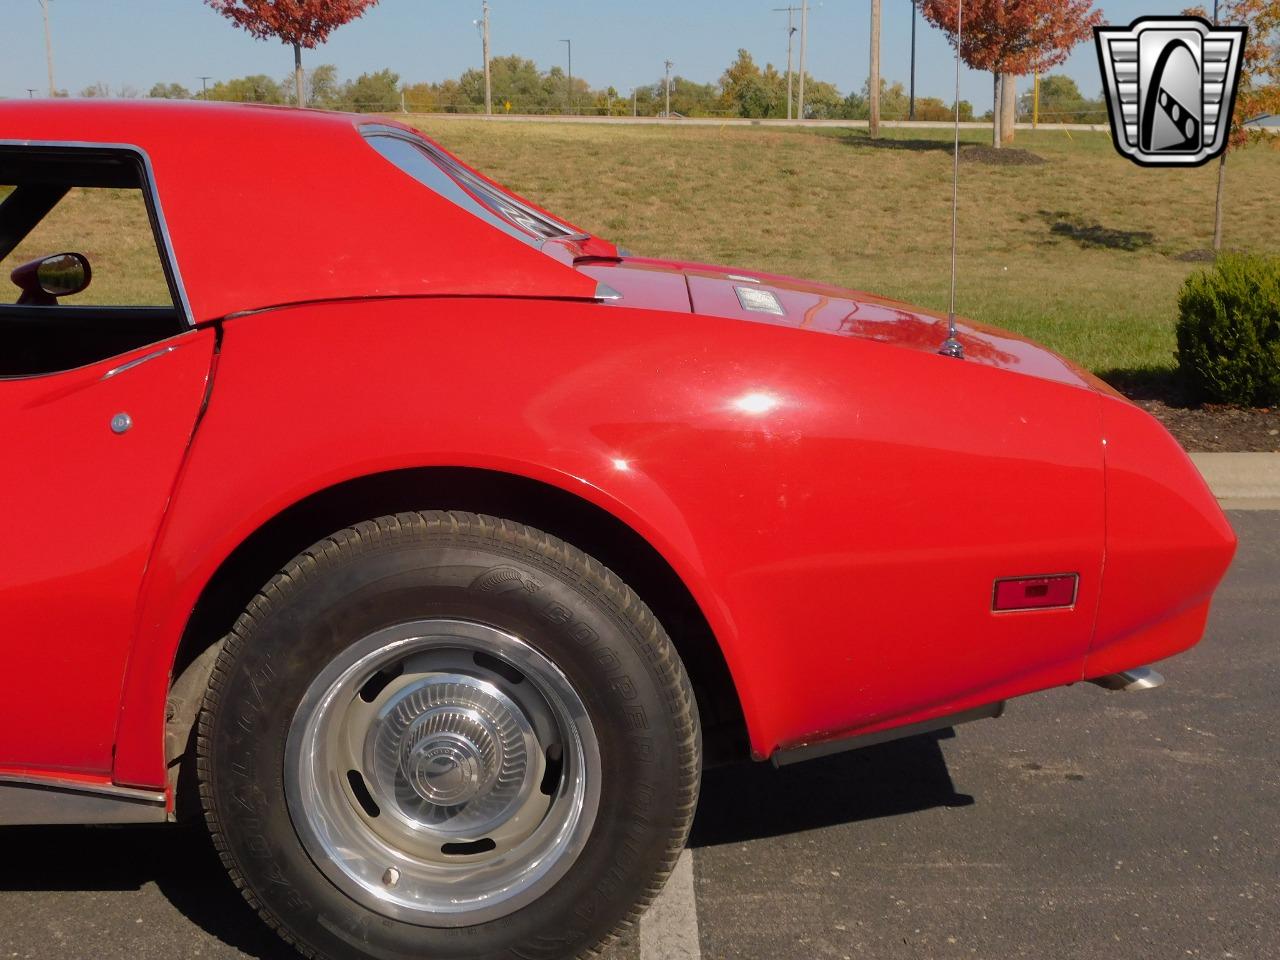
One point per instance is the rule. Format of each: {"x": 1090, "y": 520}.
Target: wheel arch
{"x": 587, "y": 526}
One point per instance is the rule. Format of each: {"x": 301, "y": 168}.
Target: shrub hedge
{"x": 1229, "y": 331}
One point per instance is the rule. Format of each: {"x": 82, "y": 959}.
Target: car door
{"x": 100, "y": 392}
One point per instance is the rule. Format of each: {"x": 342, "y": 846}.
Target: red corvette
{"x": 429, "y": 544}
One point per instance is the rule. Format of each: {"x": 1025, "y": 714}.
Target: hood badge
{"x": 759, "y": 301}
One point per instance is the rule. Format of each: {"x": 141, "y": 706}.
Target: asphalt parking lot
{"x": 1083, "y": 824}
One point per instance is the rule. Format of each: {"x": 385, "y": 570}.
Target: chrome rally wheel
{"x": 448, "y": 735}
{"x": 443, "y": 772}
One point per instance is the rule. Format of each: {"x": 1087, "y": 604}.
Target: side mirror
{"x": 43, "y": 281}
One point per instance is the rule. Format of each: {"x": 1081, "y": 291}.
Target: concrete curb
{"x": 1242, "y": 481}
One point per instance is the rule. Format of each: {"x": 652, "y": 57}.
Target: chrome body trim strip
{"x": 33, "y": 801}
{"x": 782, "y": 758}
{"x": 80, "y": 786}
{"x": 137, "y": 361}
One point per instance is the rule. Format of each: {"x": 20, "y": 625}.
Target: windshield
{"x": 438, "y": 171}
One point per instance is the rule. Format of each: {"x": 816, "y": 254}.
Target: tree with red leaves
{"x": 302, "y": 23}
{"x": 1013, "y": 38}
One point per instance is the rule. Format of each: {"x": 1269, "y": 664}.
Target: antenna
{"x": 951, "y": 347}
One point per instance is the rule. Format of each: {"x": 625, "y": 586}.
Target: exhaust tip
{"x": 1139, "y": 678}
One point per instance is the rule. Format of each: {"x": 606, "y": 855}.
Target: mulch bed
{"x": 1204, "y": 428}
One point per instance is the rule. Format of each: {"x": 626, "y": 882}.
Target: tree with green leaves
{"x": 373, "y": 92}
{"x": 748, "y": 91}
{"x": 169, "y": 91}
{"x": 515, "y": 80}
{"x": 323, "y": 88}
{"x": 258, "y": 88}
{"x": 1062, "y": 102}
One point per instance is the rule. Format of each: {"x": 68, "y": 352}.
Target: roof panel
{"x": 274, "y": 205}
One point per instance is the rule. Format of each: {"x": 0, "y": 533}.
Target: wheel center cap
{"x": 450, "y": 756}
{"x": 447, "y": 771}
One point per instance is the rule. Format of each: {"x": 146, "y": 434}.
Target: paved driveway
{"x": 1083, "y": 824}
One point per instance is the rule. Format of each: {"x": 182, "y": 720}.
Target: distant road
{"x": 739, "y": 122}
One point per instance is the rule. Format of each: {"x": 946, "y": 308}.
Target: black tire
{"x": 474, "y": 568}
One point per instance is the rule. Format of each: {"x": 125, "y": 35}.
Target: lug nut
{"x": 391, "y": 877}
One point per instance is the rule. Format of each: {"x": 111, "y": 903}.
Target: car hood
{"x": 785, "y": 301}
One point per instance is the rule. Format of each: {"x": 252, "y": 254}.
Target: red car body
{"x": 837, "y": 499}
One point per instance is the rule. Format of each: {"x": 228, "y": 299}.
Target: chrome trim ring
{"x": 442, "y": 772}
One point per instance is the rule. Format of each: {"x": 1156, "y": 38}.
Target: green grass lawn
{"x": 109, "y": 226}
{"x": 1078, "y": 252}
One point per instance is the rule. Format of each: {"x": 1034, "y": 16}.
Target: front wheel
{"x": 446, "y": 735}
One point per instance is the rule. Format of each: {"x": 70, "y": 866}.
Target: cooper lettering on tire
{"x": 448, "y": 735}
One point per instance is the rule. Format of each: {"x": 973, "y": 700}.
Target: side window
{"x": 80, "y": 254}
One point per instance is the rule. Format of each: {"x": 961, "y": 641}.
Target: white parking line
{"x": 669, "y": 930}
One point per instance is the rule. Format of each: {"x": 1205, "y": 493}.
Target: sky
{"x": 140, "y": 42}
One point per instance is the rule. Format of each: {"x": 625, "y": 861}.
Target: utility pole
{"x": 911, "y": 109}
{"x": 804, "y": 48}
{"x": 204, "y": 87}
{"x": 488, "y": 77}
{"x": 31, "y": 93}
{"x": 635, "y": 103}
{"x": 874, "y": 81}
{"x": 1222, "y": 177}
{"x": 48, "y": 46}
{"x": 669, "y": 66}
{"x": 570, "y": 45}
{"x": 791, "y": 34}
{"x": 1035, "y": 103}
